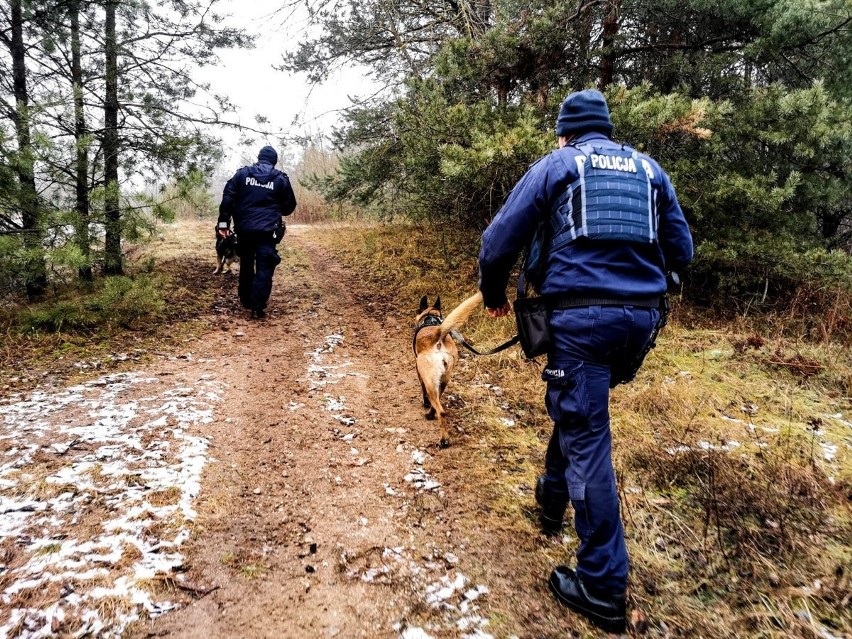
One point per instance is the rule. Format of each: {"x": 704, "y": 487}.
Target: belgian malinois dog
{"x": 437, "y": 354}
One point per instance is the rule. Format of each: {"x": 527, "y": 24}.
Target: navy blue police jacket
{"x": 256, "y": 197}
{"x": 583, "y": 267}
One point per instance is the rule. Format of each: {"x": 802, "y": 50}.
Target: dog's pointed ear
{"x": 423, "y": 304}
{"x": 437, "y": 304}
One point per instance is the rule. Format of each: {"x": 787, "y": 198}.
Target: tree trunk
{"x": 669, "y": 75}
{"x": 82, "y": 144}
{"x": 36, "y": 272}
{"x": 584, "y": 40}
{"x": 610, "y": 31}
{"x": 112, "y": 212}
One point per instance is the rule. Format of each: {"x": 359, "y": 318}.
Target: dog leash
{"x": 461, "y": 340}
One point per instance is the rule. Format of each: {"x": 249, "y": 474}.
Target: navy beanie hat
{"x": 584, "y": 111}
{"x": 269, "y": 155}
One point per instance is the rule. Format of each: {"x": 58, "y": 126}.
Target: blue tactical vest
{"x": 611, "y": 199}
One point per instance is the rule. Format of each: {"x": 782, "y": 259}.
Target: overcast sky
{"x": 255, "y": 87}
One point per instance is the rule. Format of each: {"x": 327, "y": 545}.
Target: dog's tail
{"x": 460, "y": 314}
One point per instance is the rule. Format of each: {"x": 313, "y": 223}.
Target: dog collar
{"x": 429, "y": 320}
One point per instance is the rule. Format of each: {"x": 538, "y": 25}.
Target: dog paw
{"x": 444, "y": 443}
{"x": 430, "y": 415}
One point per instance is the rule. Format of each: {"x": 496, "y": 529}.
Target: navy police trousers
{"x": 588, "y": 344}
{"x": 258, "y": 259}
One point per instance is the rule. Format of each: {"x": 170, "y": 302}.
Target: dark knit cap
{"x": 269, "y": 155}
{"x": 584, "y": 111}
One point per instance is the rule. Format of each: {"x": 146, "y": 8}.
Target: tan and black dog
{"x": 437, "y": 354}
{"x": 226, "y": 253}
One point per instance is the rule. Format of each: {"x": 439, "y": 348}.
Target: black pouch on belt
{"x": 532, "y": 325}
{"x": 278, "y": 232}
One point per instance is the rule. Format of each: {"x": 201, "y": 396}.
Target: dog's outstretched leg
{"x": 437, "y": 412}
{"x": 432, "y": 400}
{"x": 445, "y": 436}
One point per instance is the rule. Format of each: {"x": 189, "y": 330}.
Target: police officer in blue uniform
{"x": 607, "y": 227}
{"x": 257, "y": 197}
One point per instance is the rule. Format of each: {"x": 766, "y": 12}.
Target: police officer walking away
{"x": 612, "y": 228}
{"x": 257, "y": 197}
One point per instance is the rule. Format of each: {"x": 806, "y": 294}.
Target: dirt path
{"x": 311, "y": 518}
{"x": 277, "y": 479}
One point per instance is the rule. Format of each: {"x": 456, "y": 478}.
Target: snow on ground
{"x": 97, "y": 483}
{"x": 449, "y": 594}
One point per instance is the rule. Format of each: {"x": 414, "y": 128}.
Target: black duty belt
{"x": 571, "y": 301}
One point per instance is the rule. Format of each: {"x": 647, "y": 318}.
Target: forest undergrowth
{"x": 732, "y": 447}
{"x": 83, "y": 328}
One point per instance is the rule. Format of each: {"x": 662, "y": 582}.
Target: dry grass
{"x": 247, "y": 563}
{"x": 178, "y": 263}
{"x": 317, "y": 161}
{"x": 737, "y": 522}
{"x": 166, "y": 497}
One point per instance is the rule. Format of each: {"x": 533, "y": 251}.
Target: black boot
{"x": 258, "y": 314}
{"x": 552, "y": 509}
{"x": 607, "y": 611}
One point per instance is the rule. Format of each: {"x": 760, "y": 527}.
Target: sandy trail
{"x": 281, "y": 481}
{"x": 310, "y": 520}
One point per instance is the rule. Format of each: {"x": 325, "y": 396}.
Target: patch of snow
{"x": 331, "y": 342}
{"x": 726, "y": 447}
{"x": 115, "y": 453}
{"x": 333, "y": 404}
{"x": 839, "y": 418}
{"x": 678, "y": 449}
{"x": 474, "y": 593}
{"x": 421, "y": 480}
{"x": 829, "y": 450}
{"x": 445, "y": 588}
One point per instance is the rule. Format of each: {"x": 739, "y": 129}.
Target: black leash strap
{"x": 461, "y": 340}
